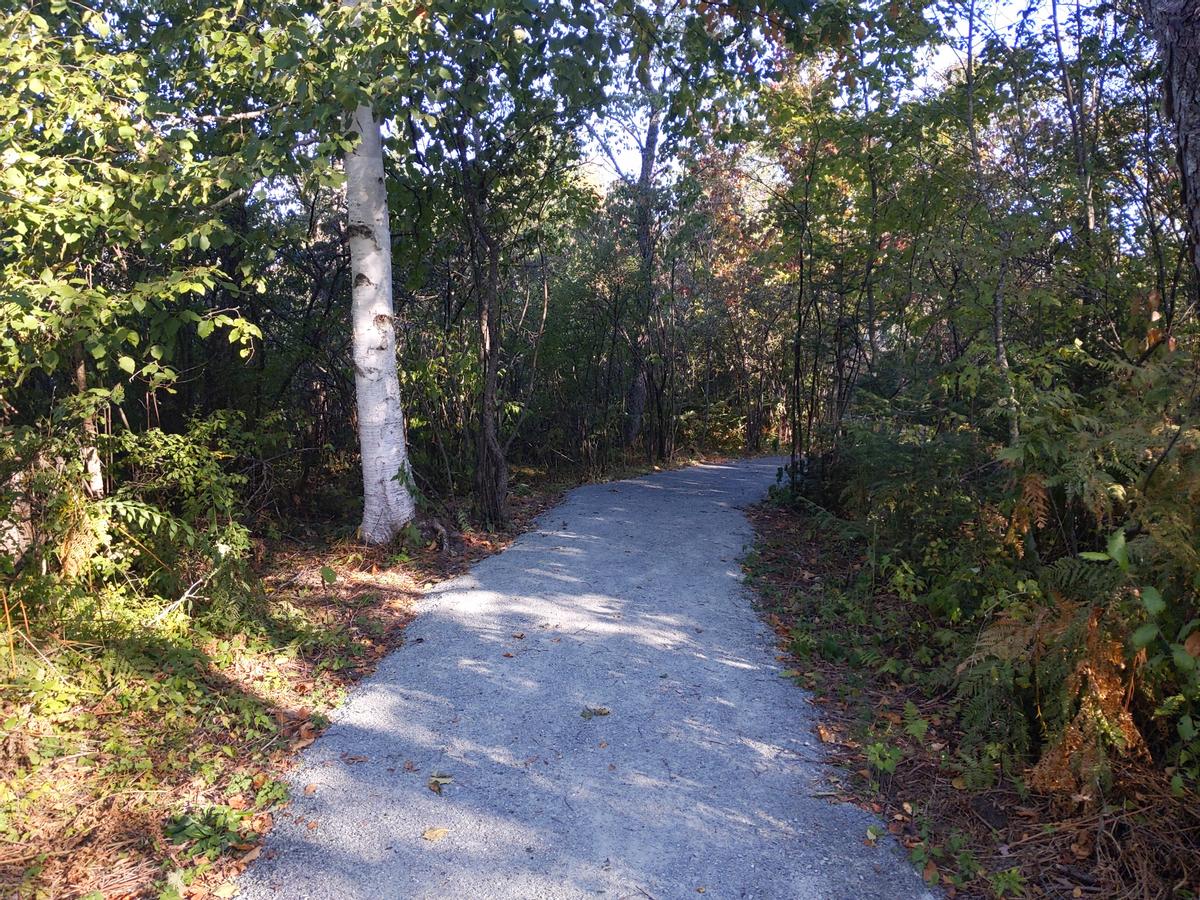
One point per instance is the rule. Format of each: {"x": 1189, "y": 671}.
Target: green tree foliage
{"x": 993, "y": 367}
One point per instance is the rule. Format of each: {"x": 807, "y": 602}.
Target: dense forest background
{"x": 938, "y": 254}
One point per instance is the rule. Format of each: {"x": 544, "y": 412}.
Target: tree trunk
{"x": 635, "y": 401}
{"x": 387, "y": 499}
{"x": 1176, "y": 27}
{"x": 1012, "y": 410}
{"x": 93, "y": 472}
{"x": 491, "y": 469}
{"x": 491, "y": 473}
{"x": 1075, "y": 98}
{"x": 635, "y": 405}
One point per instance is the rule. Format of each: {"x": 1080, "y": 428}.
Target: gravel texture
{"x": 608, "y": 709}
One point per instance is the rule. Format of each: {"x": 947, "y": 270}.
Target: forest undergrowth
{"x": 906, "y": 744}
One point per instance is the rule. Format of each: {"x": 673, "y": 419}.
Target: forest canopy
{"x": 370, "y": 268}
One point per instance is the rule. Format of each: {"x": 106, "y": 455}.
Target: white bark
{"x": 16, "y": 523}
{"x": 387, "y": 501}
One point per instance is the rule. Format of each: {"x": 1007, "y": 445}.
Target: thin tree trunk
{"x": 491, "y": 470}
{"x": 636, "y": 396}
{"x": 491, "y": 474}
{"x": 1013, "y": 411}
{"x": 387, "y": 499}
{"x": 93, "y": 472}
{"x": 998, "y": 300}
{"x": 1078, "y": 115}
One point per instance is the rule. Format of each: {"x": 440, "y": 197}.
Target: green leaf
{"x": 205, "y": 328}
{"x": 1184, "y": 661}
{"x": 1187, "y": 728}
{"x": 1144, "y": 635}
{"x": 127, "y": 364}
{"x": 328, "y": 575}
{"x": 1118, "y": 550}
{"x": 1095, "y": 557}
{"x": 1153, "y": 601}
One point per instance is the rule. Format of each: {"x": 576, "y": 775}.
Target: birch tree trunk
{"x": 387, "y": 500}
{"x": 93, "y": 472}
{"x": 1176, "y": 28}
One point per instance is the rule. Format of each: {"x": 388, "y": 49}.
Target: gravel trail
{"x": 608, "y": 711}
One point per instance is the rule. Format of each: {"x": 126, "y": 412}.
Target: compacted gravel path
{"x": 603, "y": 713}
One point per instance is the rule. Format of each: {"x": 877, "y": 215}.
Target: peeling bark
{"x": 387, "y": 500}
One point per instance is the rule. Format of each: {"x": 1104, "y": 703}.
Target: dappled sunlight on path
{"x": 606, "y": 718}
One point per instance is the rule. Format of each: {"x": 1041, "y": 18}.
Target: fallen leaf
{"x": 959, "y": 783}
{"x": 433, "y": 835}
{"x": 310, "y": 789}
{"x": 931, "y": 872}
{"x": 312, "y": 825}
{"x": 436, "y": 782}
{"x": 238, "y": 802}
{"x": 410, "y": 766}
{"x": 226, "y": 890}
{"x": 519, "y": 635}
{"x": 603, "y": 744}
{"x": 509, "y": 655}
{"x": 250, "y": 856}
{"x": 589, "y": 711}
{"x": 300, "y": 744}
{"x": 826, "y": 736}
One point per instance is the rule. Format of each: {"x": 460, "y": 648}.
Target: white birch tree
{"x": 387, "y": 499}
